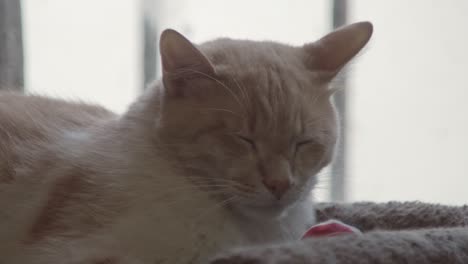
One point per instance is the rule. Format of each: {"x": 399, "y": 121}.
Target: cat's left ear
{"x": 330, "y": 54}
{"x": 179, "y": 55}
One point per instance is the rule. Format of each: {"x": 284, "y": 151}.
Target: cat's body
{"x": 198, "y": 164}
{"x": 106, "y": 215}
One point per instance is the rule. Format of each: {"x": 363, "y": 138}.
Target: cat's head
{"x": 252, "y": 121}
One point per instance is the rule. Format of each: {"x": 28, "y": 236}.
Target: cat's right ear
{"x": 329, "y": 55}
{"x": 180, "y": 57}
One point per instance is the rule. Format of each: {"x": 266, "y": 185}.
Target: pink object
{"x": 330, "y": 228}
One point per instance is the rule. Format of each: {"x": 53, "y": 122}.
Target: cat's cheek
{"x": 305, "y": 172}
{"x": 303, "y": 163}
{"x": 312, "y": 158}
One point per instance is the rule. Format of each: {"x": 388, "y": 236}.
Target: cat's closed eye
{"x": 302, "y": 144}
{"x": 248, "y": 141}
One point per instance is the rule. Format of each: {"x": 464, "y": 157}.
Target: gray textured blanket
{"x": 394, "y": 232}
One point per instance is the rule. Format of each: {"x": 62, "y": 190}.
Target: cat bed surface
{"x": 394, "y": 232}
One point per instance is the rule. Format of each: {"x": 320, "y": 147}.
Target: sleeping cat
{"x": 222, "y": 152}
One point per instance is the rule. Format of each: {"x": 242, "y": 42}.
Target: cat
{"x": 222, "y": 152}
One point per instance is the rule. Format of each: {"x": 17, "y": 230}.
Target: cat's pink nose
{"x": 277, "y": 186}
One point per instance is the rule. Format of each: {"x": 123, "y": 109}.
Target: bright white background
{"x": 409, "y": 110}
{"x": 408, "y": 116}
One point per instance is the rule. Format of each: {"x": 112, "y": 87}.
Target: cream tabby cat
{"x": 222, "y": 152}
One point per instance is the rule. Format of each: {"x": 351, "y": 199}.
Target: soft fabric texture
{"x": 395, "y": 232}
{"x": 394, "y": 215}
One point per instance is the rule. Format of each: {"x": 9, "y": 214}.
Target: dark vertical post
{"x": 150, "y": 41}
{"x": 11, "y": 46}
{"x": 338, "y": 169}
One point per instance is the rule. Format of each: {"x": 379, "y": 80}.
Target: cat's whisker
{"x": 184, "y": 200}
{"x": 189, "y": 199}
{"x": 206, "y": 182}
{"x": 199, "y": 185}
{"x": 220, "y": 181}
{"x": 179, "y": 190}
{"x": 202, "y": 182}
{"x": 245, "y": 197}
{"x": 222, "y": 110}
{"x": 216, "y": 206}
{"x": 248, "y": 193}
{"x": 216, "y": 179}
{"x": 245, "y": 188}
{"x": 172, "y": 201}
{"x": 211, "y": 178}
